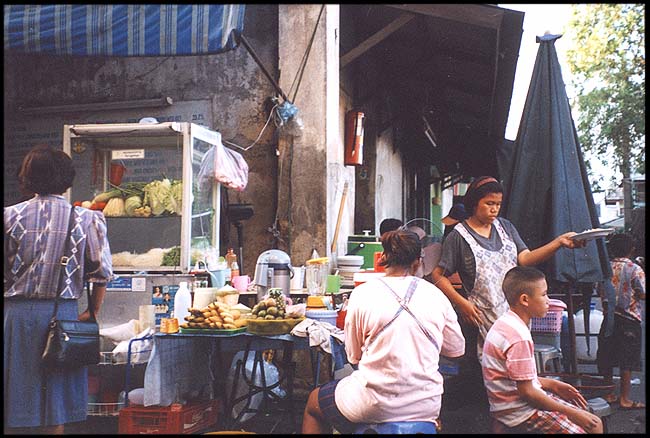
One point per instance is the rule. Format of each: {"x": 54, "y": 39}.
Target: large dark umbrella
{"x": 547, "y": 189}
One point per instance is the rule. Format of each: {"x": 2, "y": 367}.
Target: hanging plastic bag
{"x": 223, "y": 165}
{"x": 271, "y": 376}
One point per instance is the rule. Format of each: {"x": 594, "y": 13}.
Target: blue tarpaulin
{"x": 122, "y": 30}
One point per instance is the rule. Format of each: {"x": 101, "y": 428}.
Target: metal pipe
{"x": 244, "y": 41}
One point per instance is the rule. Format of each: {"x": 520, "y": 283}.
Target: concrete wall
{"x": 389, "y": 180}
{"x": 232, "y": 81}
{"x": 313, "y": 185}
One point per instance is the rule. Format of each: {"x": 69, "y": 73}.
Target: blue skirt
{"x": 25, "y": 332}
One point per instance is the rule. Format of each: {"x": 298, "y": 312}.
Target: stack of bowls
{"x": 348, "y": 265}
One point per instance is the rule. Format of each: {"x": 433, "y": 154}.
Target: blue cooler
{"x": 323, "y": 315}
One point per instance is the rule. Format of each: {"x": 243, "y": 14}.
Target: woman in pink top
{"x": 396, "y": 328}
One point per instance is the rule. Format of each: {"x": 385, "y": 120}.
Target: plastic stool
{"x": 544, "y": 353}
{"x": 599, "y": 406}
{"x": 396, "y": 427}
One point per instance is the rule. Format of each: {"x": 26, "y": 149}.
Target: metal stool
{"x": 396, "y": 427}
{"x": 599, "y": 406}
{"x": 544, "y": 353}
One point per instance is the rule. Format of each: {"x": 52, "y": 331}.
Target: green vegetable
{"x": 172, "y": 257}
{"x": 106, "y": 196}
{"x": 173, "y": 203}
{"x": 156, "y": 195}
{"x": 131, "y": 203}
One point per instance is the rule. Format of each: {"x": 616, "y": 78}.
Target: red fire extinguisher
{"x": 354, "y": 124}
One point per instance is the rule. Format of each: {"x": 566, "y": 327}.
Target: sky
{"x": 538, "y": 19}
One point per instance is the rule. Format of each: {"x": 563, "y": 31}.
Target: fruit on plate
{"x": 215, "y": 315}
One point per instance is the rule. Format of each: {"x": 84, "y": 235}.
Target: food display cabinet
{"x": 157, "y": 187}
{"x": 153, "y": 182}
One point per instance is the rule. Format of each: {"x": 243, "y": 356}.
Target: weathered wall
{"x": 312, "y": 162}
{"x": 232, "y": 81}
{"x": 389, "y": 180}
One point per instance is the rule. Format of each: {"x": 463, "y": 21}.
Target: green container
{"x": 365, "y": 246}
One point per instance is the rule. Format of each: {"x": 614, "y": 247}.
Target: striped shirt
{"x": 508, "y": 357}
{"x": 34, "y": 234}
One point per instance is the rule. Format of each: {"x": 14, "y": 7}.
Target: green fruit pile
{"x": 268, "y": 309}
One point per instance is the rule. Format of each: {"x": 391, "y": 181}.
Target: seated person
{"x": 396, "y": 345}
{"x": 518, "y": 397}
{"x": 389, "y": 224}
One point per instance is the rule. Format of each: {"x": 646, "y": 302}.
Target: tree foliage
{"x": 608, "y": 67}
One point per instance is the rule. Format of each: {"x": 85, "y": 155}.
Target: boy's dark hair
{"x": 518, "y": 281}
{"x": 390, "y": 224}
{"x": 620, "y": 245}
{"x": 46, "y": 171}
{"x": 480, "y": 187}
{"x": 401, "y": 248}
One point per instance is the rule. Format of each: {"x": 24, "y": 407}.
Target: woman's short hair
{"x": 518, "y": 281}
{"x": 401, "y": 248}
{"x": 479, "y": 188}
{"x": 620, "y": 245}
{"x": 46, "y": 171}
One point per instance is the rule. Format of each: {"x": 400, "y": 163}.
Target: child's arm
{"x": 538, "y": 399}
{"x": 564, "y": 391}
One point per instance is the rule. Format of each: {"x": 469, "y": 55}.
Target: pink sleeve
{"x": 520, "y": 361}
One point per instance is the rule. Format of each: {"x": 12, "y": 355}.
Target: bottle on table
{"x": 231, "y": 259}
{"x": 182, "y": 301}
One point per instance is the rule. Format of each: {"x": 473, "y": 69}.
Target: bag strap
{"x": 62, "y": 269}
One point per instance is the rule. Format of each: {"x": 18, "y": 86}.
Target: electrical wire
{"x": 260, "y": 134}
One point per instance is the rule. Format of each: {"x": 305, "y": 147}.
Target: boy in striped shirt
{"x": 518, "y": 397}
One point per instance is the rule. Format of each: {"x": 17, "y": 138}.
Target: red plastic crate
{"x": 187, "y": 419}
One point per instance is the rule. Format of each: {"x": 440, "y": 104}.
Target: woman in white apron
{"x": 482, "y": 249}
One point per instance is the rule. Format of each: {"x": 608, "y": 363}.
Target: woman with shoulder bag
{"x": 39, "y": 399}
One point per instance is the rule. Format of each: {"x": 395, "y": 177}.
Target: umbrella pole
{"x": 572, "y": 329}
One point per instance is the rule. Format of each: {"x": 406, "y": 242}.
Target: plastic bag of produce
{"x": 223, "y": 165}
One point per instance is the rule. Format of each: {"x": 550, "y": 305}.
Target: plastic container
{"x": 182, "y": 301}
{"x": 204, "y": 296}
{"x": 175, "y": 419}
{"x": 595, "y": 320}
{"x": 316, "y": 275}
{"x": 552, "y": 322}
{"x": 323, "y": 315}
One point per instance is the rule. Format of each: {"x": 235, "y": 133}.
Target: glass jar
{"x": 316, "y": 275}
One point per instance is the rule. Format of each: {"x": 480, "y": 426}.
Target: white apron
{"x": 491, "y": 267}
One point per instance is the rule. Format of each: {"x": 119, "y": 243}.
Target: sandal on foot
{"x": 635, "y": 405}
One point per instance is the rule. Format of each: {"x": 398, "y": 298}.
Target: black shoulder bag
{"x": 71, "y": 344}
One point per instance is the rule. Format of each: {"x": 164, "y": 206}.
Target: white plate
{"x": 593, "y": 234}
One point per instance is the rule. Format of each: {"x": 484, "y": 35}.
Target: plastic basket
{"x": 551, "y": 323}
{"x": 175, "y": 419}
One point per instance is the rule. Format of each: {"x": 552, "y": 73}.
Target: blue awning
{"x": 122, "y": 30}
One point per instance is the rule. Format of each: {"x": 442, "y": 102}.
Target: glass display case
{"x": 154, "y": 186}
